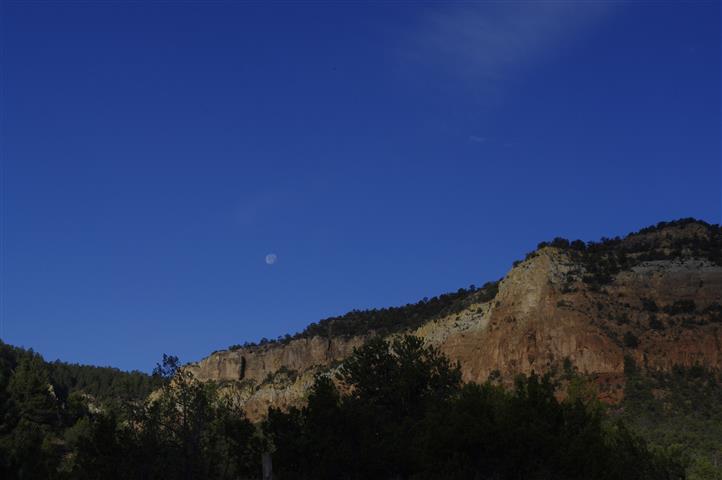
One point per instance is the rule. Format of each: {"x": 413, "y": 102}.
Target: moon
{"x": 271, "y": 258}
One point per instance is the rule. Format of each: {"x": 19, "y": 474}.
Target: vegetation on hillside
{"x": 384, "y": 321}
{"x": 601, "y": 260}
{"x": 185, "y": 430}
{"x": 188, "y": 430}
{"x": 604, "y": 259}
{"x": 395, "y": 410}
{"x": 100, "y": 384}
{"x": 401, "y": 412}
{"x": 679, "y": 411}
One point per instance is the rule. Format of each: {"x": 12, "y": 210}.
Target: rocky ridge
{"x": 657, "y": 300}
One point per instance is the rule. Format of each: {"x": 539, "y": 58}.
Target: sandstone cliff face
{"x": 528, "y": 330}
{"x": 274, "y": 374}
{"x": 258, "y": 362}
{"x": 544, "y": 314}
{"x": 661, "y": 313}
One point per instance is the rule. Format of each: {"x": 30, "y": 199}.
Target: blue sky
{"x": 154, "y": 154}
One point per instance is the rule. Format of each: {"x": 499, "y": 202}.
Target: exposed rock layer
{"x": 543, "y": 317}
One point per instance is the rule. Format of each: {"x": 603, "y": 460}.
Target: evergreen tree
{"x": 399, "y": 411}
{"x": 30, "y": 418}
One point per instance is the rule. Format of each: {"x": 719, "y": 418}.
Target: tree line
{"x": 396, "y": 409}
{"x": 601, "y": 260}
{"x": 385, "y": 321}
{"x": 609, "y": 256}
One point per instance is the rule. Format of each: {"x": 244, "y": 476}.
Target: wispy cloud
{"x": 490, "y": 41}
{"x": 476, "y": 139}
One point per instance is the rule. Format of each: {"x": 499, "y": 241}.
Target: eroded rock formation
{"x": 547, "y": 315}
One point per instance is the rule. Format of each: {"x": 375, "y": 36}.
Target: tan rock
{"x": 543, "y": 314}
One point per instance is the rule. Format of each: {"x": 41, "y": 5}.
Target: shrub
{"x": 649, "y": 305}
{"x": 680, "y": 306}
{"x": 630, "y": 340}
{"x": 655, "y": 324}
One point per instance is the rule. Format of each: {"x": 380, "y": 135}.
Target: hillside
{"x": 633, "y": 323}
{"x": 99, "y": 384}
{"x": 654, "y": 296}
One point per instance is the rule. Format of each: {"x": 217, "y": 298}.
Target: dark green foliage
{"x": 487, "y": 432}
{"x": 604, "y": 259}
{"x": 655, "y": 323}
{"x": 679, "y": 307}
{"x": 44, "y": 407}
{"x": 399, "y": 411}
{"x": 389, "y": 320}
{"x": 29, "y": 419}
{"x": 187, "y": 431}
{"x": 678, "y": 411}
{"x": 630, "y": 366}
{"x": 714, "y": 313}
{"x": 649, "y": 305}
{"x": 102, "y": 384}
{"x": 394, "y": 319}
{"x": 560, "y": 242}
{"x": 622, "y": 318}
{"x": 363, "y": 434}
{"x": 403, "y": 413}
{"x": 630, "y": 340}
{"x": 399, "y": 376}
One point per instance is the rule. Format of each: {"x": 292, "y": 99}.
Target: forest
{"x": 394, "y": 409}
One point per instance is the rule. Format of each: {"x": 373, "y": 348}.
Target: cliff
{"x": 654, "y": 296}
